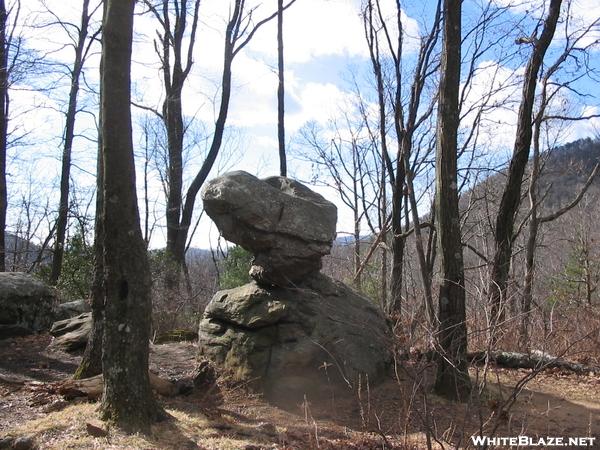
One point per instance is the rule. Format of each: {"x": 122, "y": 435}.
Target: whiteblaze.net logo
{"x": 528, "y": 441}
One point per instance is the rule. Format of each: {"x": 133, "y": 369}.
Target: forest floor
{"x": 399, "y": 413}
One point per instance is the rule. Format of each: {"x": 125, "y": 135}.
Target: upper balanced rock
{"x": 287, "y": 227}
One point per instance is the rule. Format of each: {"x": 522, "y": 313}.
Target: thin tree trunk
{"x": 377, "y": 71}
{"x": 588, "y": 278}
{"x": 511, "y": 197}
{"x": 452, "y": 377}
{"x": 173, "y": 119}
{"x": 211, "y": 157}
{"x": 355, "y": 206}
{"x": 91, "y": 363}
{"x": 127, "y": 400}
{"x": 421, "y": 257}
{"x": 382, "y": 224}
{"x": 281, "y": 92}
{"x": 177, "y": 61}
{"x": 398, "y": 241}
{"x": 534, "y": 223}
{"x": 63, "y": 208}
{"x": 4, "y": 102}
{"x": 405, "y": 125}
{"x": 530, "y": 247}
{"x": 237, "y": 35}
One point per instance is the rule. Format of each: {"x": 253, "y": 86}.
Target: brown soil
{"x": 400, "y": 413}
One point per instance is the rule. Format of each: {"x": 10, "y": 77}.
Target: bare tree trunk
{"x": 281, "y": 92}
{"x": 382, "y": 225}
{"x": 452, "y": 377}
{"x": 63, "y": 208}
{"x": 534, "y": 219}
{"x": 128, "y": 400}
{"x": 511, "y": 197}
{"x": 173, "y": 118}
{"x": 176, "y": 59}
{"x": 587, "y": 272}
{"x": 239, "y": 32}
{"x": 356, "y": 217}
{"x": 534, "y": 222}
{"x": 373, "y": 42}
{"x": 91, "y": 363}
{"x": 4, "y": 101}
{"x": 423, "y": 266}
{"x": 530, "y": 246}
{"x": 405, "y": 125}
{"x": 398, "y": 240}
{"x": 398, "y": 243}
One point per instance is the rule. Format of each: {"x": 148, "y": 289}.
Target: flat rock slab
{"x": 287, "y": 227}
{"x": 293, "y": 341}
{"x": 71, "y": 309}
{"x": 72, "y": 334}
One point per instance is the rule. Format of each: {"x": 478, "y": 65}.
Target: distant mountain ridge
{"x": 567, "y": 168}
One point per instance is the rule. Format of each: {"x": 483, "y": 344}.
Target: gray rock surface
{"x": 25, "y": 302}
{"x": 294, "y": 341}
{"x": 72, "y": 334}
{"x": 71, "y": 309}
{"x": 287, "y": 227}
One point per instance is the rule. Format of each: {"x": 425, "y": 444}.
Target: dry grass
{"x": 66, "y": 429}
{"x": 392, "y": 415}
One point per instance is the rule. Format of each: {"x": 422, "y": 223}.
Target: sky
{"x": 325, "y": 55}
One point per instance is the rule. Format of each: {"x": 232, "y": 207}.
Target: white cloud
{"x": 322, "y": 28}
{"x": 315, "y": 28}
{"x": 589, "y": 127}
{"x": 567, "y": 131}
{"x": 494, "y": 92}
{"x": 318, "y": 102}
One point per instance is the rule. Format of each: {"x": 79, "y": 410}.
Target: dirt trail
{"x": 396, "y": 414}
{"x": 558, "y": 404}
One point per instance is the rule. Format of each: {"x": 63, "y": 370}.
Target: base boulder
{"x": 289, "y": 342}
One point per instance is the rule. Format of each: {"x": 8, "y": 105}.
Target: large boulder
{"x": 293, "y": 341}
{"x": 287, "y": 227}
{"x": 26, "y": 303}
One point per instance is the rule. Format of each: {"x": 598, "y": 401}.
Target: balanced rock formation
{"x": 286, "y": 226}
{"x": 295, "y": 341}
{"x": 26, "y": 304}
{"x": 292, "y": 330}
